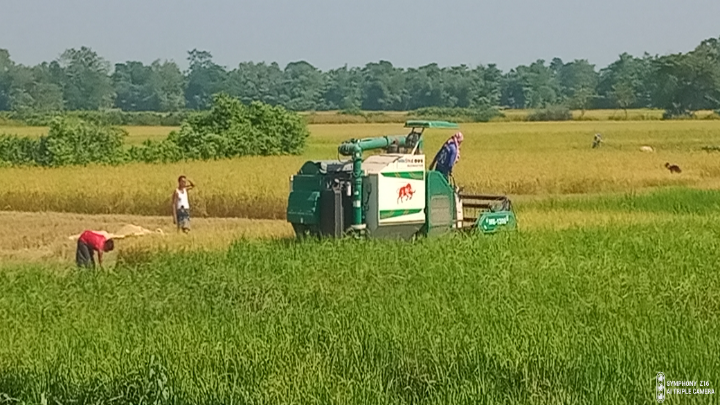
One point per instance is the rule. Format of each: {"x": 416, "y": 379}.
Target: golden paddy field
{"x": 246, "y": 197}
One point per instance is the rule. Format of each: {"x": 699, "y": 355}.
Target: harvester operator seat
{"x": 411, "y": 140}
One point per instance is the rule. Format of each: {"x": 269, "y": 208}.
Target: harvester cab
{"x": 388, "y": 195}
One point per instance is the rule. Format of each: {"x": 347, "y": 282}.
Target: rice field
{"x": 45, "y": 236}
{"x": 136, "y": 134}
{"x": 519, "y": 159}
{"x": 611, "y": 278}
{"x": 577, "y": 316}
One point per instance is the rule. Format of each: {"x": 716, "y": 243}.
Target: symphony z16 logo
{"x": 660, "y": 388}
{"x": 405, "y": 193}
{"x": 664, "y": 387}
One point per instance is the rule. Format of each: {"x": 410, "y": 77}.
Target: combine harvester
{"x": 388, "y": 195}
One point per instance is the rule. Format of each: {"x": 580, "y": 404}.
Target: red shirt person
{"x": 87, "y": 244}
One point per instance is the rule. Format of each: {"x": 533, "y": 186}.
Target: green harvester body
{"x": 388, "y": 195}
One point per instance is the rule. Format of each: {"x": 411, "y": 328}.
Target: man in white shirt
{"x": 181, "y": 204}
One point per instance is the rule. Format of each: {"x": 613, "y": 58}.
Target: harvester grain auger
{"x": 388, "y": 195}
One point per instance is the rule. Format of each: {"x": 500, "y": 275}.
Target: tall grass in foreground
{"x": 578, "y": 316}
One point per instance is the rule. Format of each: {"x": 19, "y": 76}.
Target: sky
{"x": 330, "y": 34}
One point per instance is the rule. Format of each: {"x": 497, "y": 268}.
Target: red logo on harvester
{"x": 405, "y": 193}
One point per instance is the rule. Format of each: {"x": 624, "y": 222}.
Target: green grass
{"x": 671, "y": 200}
{"x": 539, "y": 317}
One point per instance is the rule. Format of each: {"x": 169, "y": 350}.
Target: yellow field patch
{"x": 136, "y": 134}
{"x": 525, "y": 160}
{"x": 45, "y": 236}
{"x": 512, "y": 158}
{"x": 23, "y": 131}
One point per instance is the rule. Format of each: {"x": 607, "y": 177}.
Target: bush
{"x": 551, "y": 113}
{"x": 155, "y": 152}
{"x": 69, "y": 142}
{"x": 6, "y": 119}
{"x": 76, "y": 142}
{"x": 231, "y": 129}
{"x": 18, "y": 151}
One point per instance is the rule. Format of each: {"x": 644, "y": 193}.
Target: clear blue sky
{"x": 330, "y": 33}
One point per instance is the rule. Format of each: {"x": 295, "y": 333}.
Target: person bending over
{"x": 88, "y": 243}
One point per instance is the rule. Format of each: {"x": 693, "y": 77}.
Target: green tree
{"x": 134, "y": 88}
{"x": 157, "y": 87}
{"x": 623, "y": 93}
{"x": 205, "y": 79}
{"x": 86, "y": 82}
{"x": 578, "y": 81}
{"x": 169, "y": 85}
{"x": 625, "y": 83}
{"x": 343, "y": 89}
{"x": 487, "y": 87}
{"x": 31, "y": 93}
{"x": 33, "y": 89}
{"x": 256, "y": 82}
{"x": 460, "y": 87}
{"x": 21, "y": 79}
{"x": 685, "y": 83}
{"x": 302, "y": 87}
{"x": 533, "y": 86}
{"x": 6, "y": 66}
{"x": 80, "y": 80}
{"x": 383, "y": 87}
{"x": 514, "y": 90}
{"x": 425, "y": 87}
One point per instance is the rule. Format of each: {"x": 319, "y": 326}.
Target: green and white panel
{"x": 401, "y": 186}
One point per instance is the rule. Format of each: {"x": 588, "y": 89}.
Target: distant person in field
{"x": 88, "y": 243}
{"x": 448, "y": 156}
{"x": 597, "y": 140}
{"x": 181, "y": 204}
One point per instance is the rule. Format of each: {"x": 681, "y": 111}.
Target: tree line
{"x": 80, "y": 79}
